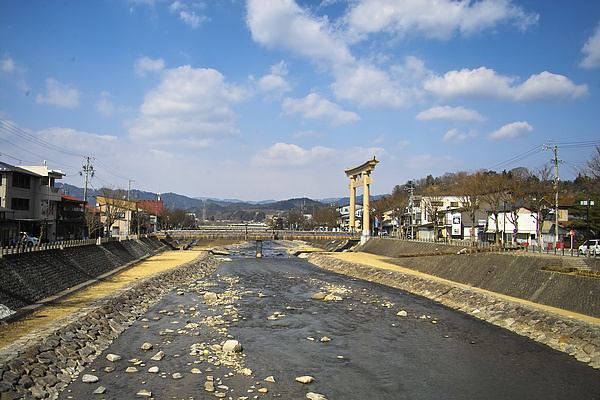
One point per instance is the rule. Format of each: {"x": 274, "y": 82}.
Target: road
{"x": 369, "y": 351}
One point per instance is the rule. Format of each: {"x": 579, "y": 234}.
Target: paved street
{"x": 362, "y": 341}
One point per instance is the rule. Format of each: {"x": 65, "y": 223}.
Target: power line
{"x": 15, "y": 130}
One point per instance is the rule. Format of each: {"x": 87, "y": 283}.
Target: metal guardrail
{"x": 61, "y": 244}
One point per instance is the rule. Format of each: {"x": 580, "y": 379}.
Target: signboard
{"x": 456, "y": 224}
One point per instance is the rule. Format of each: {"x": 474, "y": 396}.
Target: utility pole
{"x": 555, "y": 161}
{"x": 88, "y": 171}
{"x": 411, "y": 191}
{"x": 128, "y": 230}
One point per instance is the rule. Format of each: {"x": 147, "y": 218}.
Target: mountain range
{"x": 218, "y": 209}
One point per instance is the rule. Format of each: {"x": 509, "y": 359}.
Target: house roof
{"x": 13, "y": 168}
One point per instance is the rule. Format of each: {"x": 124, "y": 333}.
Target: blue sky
{"x": 274, "y": 99}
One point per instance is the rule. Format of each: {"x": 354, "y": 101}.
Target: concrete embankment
{"x": 468, "y": 282}
{"x": 42, "y": 363}
{"x": 28, "y": 278}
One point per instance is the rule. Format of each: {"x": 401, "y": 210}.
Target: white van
{"x": 591, "y": 245}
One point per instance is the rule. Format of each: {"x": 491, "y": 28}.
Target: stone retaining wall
{"x": 43, "y": 363}
{"x": 576, "y": 337}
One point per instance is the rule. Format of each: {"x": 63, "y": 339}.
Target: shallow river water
{"x": 372, "y": 353}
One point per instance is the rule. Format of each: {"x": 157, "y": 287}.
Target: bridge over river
{"x": 254, "y": 233}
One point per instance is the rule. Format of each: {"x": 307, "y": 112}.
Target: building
{"x": 28, "y": 202}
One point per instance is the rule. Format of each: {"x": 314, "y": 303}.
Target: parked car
{"x": 27, "y": 240}
{"x": 591, "y": 245}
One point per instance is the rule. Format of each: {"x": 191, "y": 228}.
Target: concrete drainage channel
{"x": 43, "y": 363}
{"x": 576, "y": 337}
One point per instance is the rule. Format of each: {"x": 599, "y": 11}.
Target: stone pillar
{"x": 258, "y": 248}
{"x": 352, "y": 223}
{"x": 366, "y": 228}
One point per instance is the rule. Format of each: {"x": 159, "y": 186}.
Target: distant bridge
{"x": 256, "y": 233}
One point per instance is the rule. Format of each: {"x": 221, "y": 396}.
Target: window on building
{"x": 437, "y": 203}
{"x": 454, "y": 204}
{"x": 21, "y": 180}
{"x": 19, "y": 204}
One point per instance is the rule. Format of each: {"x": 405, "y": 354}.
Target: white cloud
{"x": 484, "y": 83}
{"x": 291, "y": 155}
{"x": 439, "y": 19}
{"x": 273, "y": 83}
{"x": 369, "y": 87}
{"x": 284, "y": 25}
{"x": 315, "y": 107}
{"x": 146, "y": 64}
{"x": 191, "y": 19}
{"x": 456, "y": 136}
{"x": 515, "y": 130}
{"x": 58, "y": 94}
{"x": 453, "y": 114}
{"x": 80, "y": 141}
{"x": 591, "y": 49}
{"x": 9, "y": 68}
{"x": 191, "y": 107}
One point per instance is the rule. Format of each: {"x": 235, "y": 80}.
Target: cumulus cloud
{"x": 456, "y": 136}
{"x": 485, "y": 83}
{"x": 58, "y": 94}
{"x": 591, "y": 49}
{"x": 284, "y": 25}
{"x": 291, "y": 155}
{"x": 145, "y": 64}
{"x": 515, "y": 130}
{"x": 274, "y": 82}
{"x": 452, "y": 114}
{"x": 315, "y": 107}
{"x": 439, "y": 19}
{"x": 191, "y": 107}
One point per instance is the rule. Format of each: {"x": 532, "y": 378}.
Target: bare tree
{"x": 593, "y": 170}
{"x": 326, "y": 216}
{"x": 495, "y": 196}
{"x": 469, "y": 188}
{"x": 540, "y": 194}
{"x": 113, "y": 205}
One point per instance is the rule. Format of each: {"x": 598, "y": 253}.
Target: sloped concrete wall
{"x": 30, "y": 277}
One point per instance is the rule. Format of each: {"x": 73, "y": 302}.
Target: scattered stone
{"x": 232, "y": 346}
{"x": 144, "y": 393}
{"x": 319, "y": 296}
{"x": 100, "y": 390}
{"x": 332, "y": 297}
{"x": 210, "y": 296}
{"x": 325, "y": 339}
{"x": 305, "y": 379}
{"x": 270, "y": 379}
{"x": 246, "y": 371}
{"x": 88, "y": 378}
{"x": 131, "y": 370}
{"x": 260, "y": 294}
{"x": 177, "y": 375}
{"x": 113, "y": 357}
{"x": 196, "y": 371}
{"x": 402, "y": 313}
{"x": 153, "y": 370}
{"x": 209, "y": 386}
{"x": 108, "y": 370}
{"x": 147, "y": 346}
{"x": 315, "y": 396}
{"x": 158, "y": 356}
{"x": 263, "y": 390}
